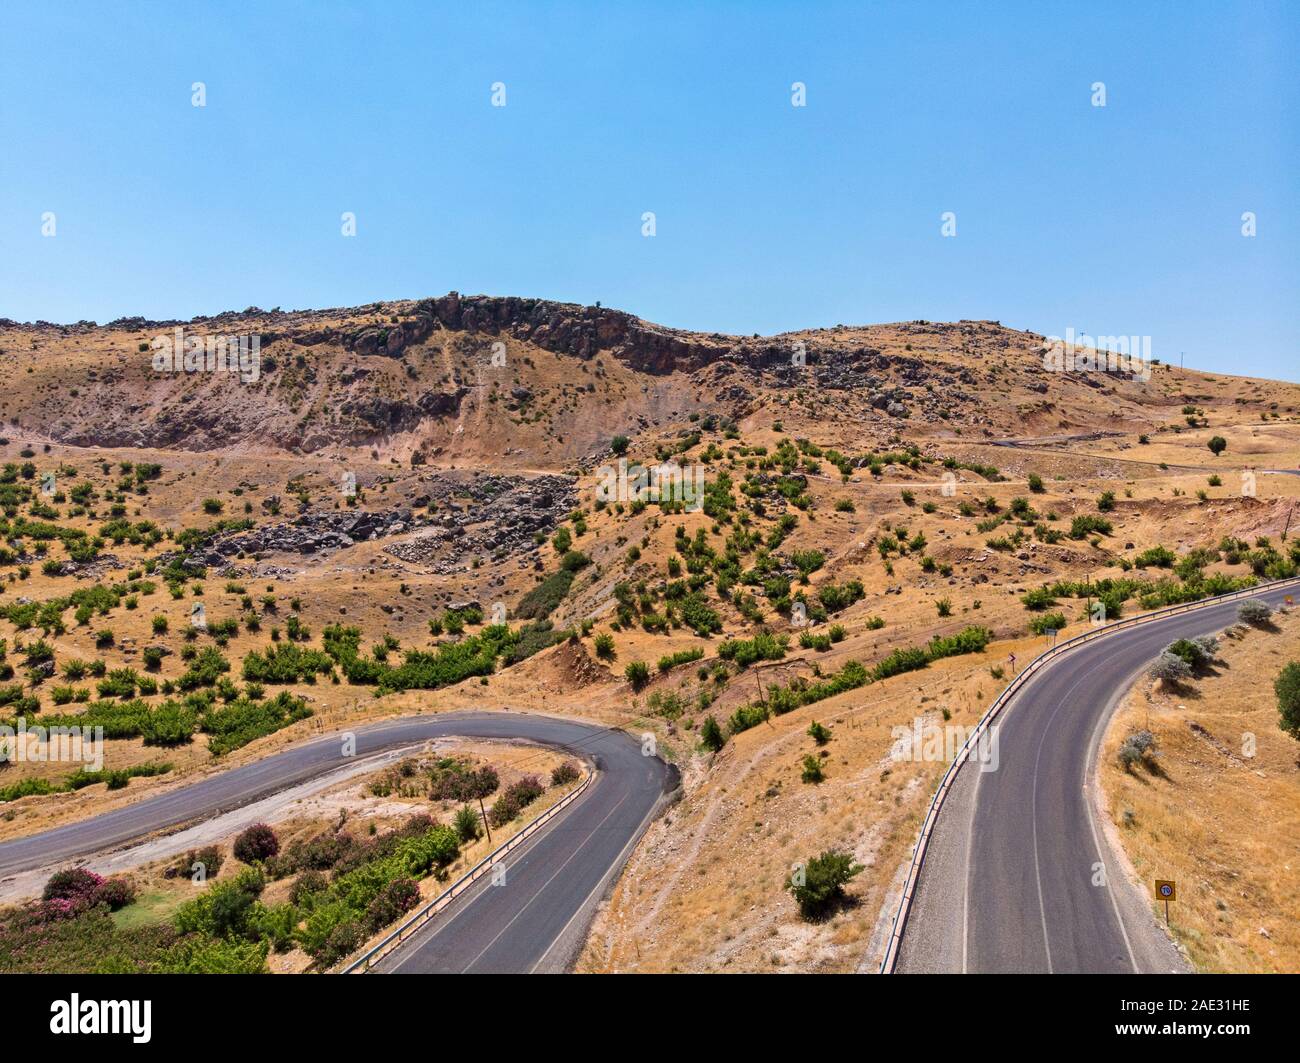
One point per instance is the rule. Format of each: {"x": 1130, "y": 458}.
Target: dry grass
{"x": 1223, "y": 824}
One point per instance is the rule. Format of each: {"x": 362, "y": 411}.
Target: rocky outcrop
{"x": 489, "y": 515}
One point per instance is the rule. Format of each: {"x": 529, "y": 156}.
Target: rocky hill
{"x": 532, "y": 383}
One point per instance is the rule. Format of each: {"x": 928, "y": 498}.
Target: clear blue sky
{"x": 1117, "y": 220}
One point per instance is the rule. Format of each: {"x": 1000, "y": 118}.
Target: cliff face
{"x": 521, "y": 382}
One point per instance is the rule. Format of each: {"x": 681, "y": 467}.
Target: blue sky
{"x": 1117, "y": 220}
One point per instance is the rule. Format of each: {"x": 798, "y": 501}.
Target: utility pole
{"x": 487, "y": 826}
{"x": 1289, "y": 515}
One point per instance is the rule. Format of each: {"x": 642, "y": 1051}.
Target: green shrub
{"x": 819, "y": 887}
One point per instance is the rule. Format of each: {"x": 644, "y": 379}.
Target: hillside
{"x": 888, "y": 512}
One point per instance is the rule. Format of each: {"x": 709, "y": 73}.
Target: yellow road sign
{"x": 1166, "y": 891}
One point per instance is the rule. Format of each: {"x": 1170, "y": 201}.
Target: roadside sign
{"x": 1166, "y": 891}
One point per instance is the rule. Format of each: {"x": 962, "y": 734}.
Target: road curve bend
{"x": 1018, "y": 876}
{"x": 534, "y": 920}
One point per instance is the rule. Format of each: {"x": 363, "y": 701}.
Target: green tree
{"x": 1287, "y": 686}
{"x": 711, "y": 736}
{"x": 812, "y": 769}
{"x": 819, "y": 885}
{"x": 1217, "y": 445}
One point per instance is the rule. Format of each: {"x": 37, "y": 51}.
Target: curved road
{"x": 1017, "y": 876}
{"x": 535, "y": 919}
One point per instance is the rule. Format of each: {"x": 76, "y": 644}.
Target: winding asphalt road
{"x": 535, "y": 919}
{"x": 1018, "y": 876}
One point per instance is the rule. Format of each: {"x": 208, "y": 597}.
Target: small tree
{"x": 619, "y": 444}
{"x": 466, "y": 823}
{"x": 812, "y": 769}
{"x": 638, "y": 674}
{"x": 604, "y": 643}
{"x": 711, "y": 736}
{"x": 1287, "y": 687}
{"x": 1217, "y": 445}
{"x": 819, "y": 733}
{"x": 819, "y": 885}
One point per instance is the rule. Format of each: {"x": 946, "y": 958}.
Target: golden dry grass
{"x": 1222, "y": 823}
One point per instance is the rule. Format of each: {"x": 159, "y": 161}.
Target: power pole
{"x": 1289, "y": 515}
{"x": 487, "y": 826}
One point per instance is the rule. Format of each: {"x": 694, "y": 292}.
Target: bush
{"x": 1137, "y": 748}
{"x": 1287, "y": 688}
{"x": 821, "y": 885}
{"x": 454, "y": 779}
{"x": 1254, "y": 611}
{"x": 1196, "y": 652}
{"x": 466, "y": 824}
{"x": 1038, "y": 598}
{"x": 340, "y": 943}
{"x": 563, "y": 774}
{"x": 256, "y": 843}
{"x": 638, "y": 674}
{"x": 1217, "y": 445}
{"x": 309, "y": 882}
{"x": 819, "y": 733}
{"x": 604, "y": 644}
{"x": 76, "y": 886}
{"x": 116, "y": 893}
{"x": 392, "y": 902}
{"x": 812, "y": 769}
{"x": 514, "y": 799}
{"x": 1170, "y": 669}
{"x": 711, "y": 736}
{"x": 224, "y": 909}
{"x": 1040, "y": 625}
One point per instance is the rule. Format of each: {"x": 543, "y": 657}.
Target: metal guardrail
{"x": 364, "y": 962}
{"x": 890, "y": 959}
